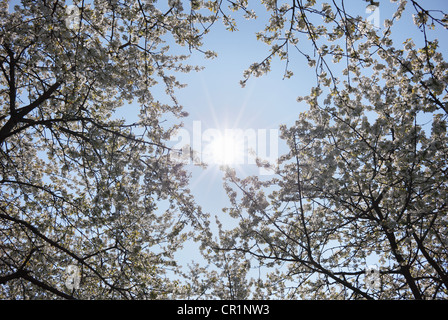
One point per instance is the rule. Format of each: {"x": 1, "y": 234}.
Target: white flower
{"x": 388, "y": 23}
{"x": 176, "y": 4}
{"x": 409, "y": 44}
{"x": 210, "y": 54}
{"x": 379, "y": 66}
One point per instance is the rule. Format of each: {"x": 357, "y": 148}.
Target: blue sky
{"x": 216, "y": 99}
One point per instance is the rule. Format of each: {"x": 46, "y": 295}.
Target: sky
{"x": 215, "y": 99}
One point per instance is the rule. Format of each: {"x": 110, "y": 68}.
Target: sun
{"x": 225, "y": 149}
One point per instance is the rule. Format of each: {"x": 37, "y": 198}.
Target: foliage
{"x": 80, "y": 186}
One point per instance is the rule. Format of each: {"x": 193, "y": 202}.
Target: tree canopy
{"x": 79, "y": 185}
{"x": 364, "y": 179}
